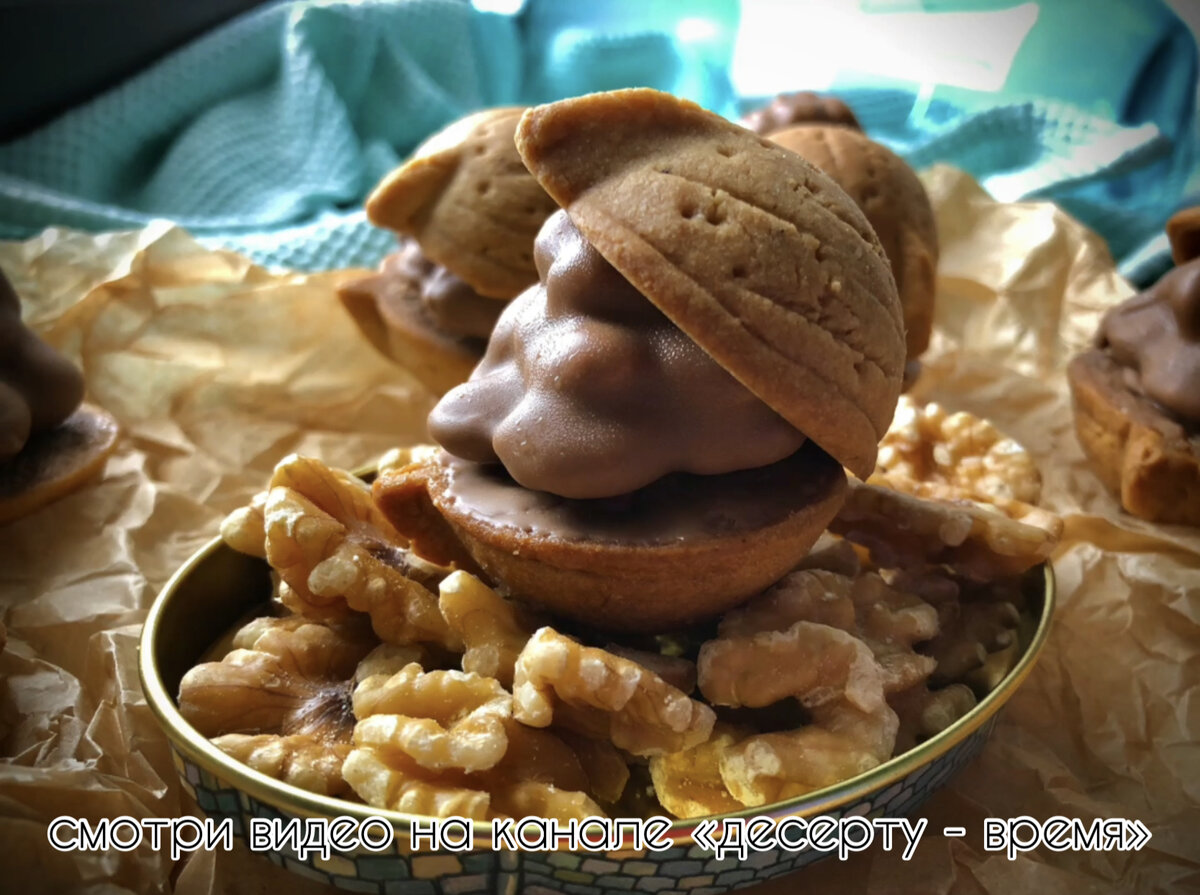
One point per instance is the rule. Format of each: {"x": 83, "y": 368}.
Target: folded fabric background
{"x": 266, "y": 134}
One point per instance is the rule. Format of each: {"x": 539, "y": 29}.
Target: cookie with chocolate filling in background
{"x": 892, "y": 197}
{"x": 50, "y": 445}
{"x": 1136, "y": 393}
{"x": 800, "y": 107}
{"x": 466, "y": 211}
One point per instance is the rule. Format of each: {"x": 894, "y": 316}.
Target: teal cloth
{"x": 266, "y": 134}
{"x": 268, "y": 129}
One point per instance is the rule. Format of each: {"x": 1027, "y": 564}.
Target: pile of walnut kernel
{"x": 381, "y": 677}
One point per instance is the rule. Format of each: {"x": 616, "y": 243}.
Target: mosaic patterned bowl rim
{"x": 192, "y": 745}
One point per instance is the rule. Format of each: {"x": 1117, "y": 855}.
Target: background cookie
{"x": 1147, "y": 459}
{"x": 386, "y": 307}
{"x": 801, "y": 107}
{"x": 890, "y": 195}
{"x": 468, "y": 200}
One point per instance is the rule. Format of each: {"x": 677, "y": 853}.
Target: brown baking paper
{"x": 217, "y": 368}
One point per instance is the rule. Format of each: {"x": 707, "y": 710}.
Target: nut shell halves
{"x": 755, "y": 254}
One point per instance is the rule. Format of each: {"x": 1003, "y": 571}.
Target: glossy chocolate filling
{"x": 587, "y": 390}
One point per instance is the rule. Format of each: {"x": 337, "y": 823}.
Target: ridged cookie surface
{"x": 894, "y": 201}
{"x": 750, "y": 250}
{"x": 468, "y": 200}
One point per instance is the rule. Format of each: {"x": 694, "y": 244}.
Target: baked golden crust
{"x": 756, "y": 255}
{"x": 467, "y": 199}
{"x": 1146, "y": 458}
{"x": 894, "y": 201}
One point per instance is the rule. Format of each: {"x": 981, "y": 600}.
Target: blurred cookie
{"x": 1146, "y": 458}
{"x": 466, "y": 211}
{"x": 56, "y": 462}
{"x": 894, "y": 201}
{"x": 423, "y": 317}
{"x": 49, "y": 445}
{"x": 1183, "y": 231}
{"x": 801, "y": 107}
{"x": 468, "y": 200}
{"x": 1137, "y": 395}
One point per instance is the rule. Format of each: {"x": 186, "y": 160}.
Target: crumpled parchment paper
{"x": 216, "y": 369}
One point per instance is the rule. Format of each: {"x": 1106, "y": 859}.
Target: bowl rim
{"x": 188, "y": 741}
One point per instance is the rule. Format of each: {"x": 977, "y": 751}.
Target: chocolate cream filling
{"x": 588, "y": 391}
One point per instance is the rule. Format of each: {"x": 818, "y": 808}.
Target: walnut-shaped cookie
{"x": 894, "y": 201}
{"x": 800, "y": 107}
{"x": 466, "y": 211}
{"x": 658, "y": 430}
{"x": 1137, "y": 392}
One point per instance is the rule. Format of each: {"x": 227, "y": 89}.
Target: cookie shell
{"x": 1183, "y": 232}
{"x": 896, "y": 204}
{"x": 801, "y": 107}
{"x": 56, "y": 462}
{"x": 468, "y": 200}
{"x": 386, "y": 308}
{"x": 628, "y": 568}
{"x": 751, "y": 251}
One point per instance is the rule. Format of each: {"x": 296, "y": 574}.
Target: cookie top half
{"x": 752, "y": 252}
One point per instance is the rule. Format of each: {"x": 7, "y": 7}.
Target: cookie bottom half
{"x": 680, "y": 550}
{"x": 1142, "y": 455}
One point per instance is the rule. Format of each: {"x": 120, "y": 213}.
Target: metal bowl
{"x": 218, "y": 586}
